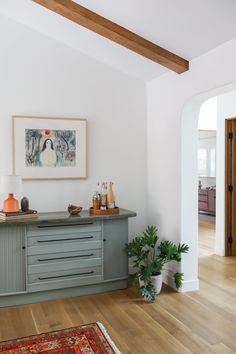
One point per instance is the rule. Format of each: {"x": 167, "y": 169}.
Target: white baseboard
{"x": 220, "y": 252}
{"x": 188, "y": 285}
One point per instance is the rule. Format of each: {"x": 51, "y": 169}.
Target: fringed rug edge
{"x": 108, "y": 338}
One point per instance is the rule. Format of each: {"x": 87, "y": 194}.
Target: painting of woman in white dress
{"x": 50, "y": 148}
{"x": 48, "y": 156}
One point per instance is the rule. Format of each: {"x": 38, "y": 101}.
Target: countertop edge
{"x": 64, "y": 217}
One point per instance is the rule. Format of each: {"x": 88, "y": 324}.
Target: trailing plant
{"x": 149, "y": 259}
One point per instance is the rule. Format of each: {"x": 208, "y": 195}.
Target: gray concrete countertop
{"x": 62, "y": 217}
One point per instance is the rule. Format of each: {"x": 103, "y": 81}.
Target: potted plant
{"x": 149, "y": 259}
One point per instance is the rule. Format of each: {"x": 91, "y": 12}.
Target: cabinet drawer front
{"x": 203, "y": 205}
{"x": 64, "y": 266}
{"x": 63, "y": 284}
{"x": 203, "y": 198}
{"x": 65, "y": 247}
{"x": 64, "y": 238}
{"x": 54, "y": 229}
{"x": 64, "y": 256}
{"x": 64, "y": 279}
{"x": 202, "y": 192}
{"x": 64, "y": 274}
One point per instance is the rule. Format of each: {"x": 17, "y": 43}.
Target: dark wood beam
{"x": 116, "y": 33}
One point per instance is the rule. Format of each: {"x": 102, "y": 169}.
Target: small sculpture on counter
{"x": 74, "y": 210}
{"x": 25, "y": 204}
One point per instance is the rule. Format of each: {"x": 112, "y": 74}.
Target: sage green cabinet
{"x": 115, "y": 261}
{"x": 56, "y": 256}
{"x": 12, "y": 259}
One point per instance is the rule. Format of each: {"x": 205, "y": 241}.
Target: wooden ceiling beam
{"x": 116, "y": 33}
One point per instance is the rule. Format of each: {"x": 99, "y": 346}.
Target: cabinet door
{"x": 203, "y": 202}
{"x": 115, "y": 236}
{"x": 212, "y": 201}
{"x": 12, "y": 259}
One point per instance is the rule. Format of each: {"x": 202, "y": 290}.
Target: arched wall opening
{"x": 189, "y": 175}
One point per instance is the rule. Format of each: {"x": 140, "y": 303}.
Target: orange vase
{"x": 11, "y": 204}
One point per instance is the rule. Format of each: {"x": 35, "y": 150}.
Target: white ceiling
{"x": 189, "y": 28}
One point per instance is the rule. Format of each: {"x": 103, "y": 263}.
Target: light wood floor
{"x": 198, "y": 322}
{"x": 206, "y": 241}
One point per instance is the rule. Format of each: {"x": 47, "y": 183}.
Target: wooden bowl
{"x": 74, "y": 210}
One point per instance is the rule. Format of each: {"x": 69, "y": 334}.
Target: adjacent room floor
{"x": 206, "y": 241}
{"x": 203, "y": 321}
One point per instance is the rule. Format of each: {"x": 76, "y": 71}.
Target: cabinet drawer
{"x": 55, "y": 229}
{"x": 65, "y": 247}
{"x": 64, "y": 279}
{"x": 40, "y": 240}
{"x": 64, "y": 266}
{"x": 203, "y": 198}
{"x": 202, "y": 192}
{"x": 203, "y": 205}
{"x": 64, "y": 256}
{"x": 46, "y": 244}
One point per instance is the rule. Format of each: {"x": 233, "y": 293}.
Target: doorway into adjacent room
{"x": 207, "y": 234}
{"x": 207, "y": 177}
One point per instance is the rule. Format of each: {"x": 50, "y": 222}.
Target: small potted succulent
{"x": 149, "y": 259}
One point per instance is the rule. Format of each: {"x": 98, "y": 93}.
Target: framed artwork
{"x": 49, "y": 148}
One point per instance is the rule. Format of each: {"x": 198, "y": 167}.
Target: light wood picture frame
{"x": 49, "y": 147}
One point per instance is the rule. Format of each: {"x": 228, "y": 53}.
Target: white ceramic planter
{"x": 141, "y": 282}
{"x": 157, "y": 282}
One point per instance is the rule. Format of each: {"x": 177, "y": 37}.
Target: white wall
{"x": 173, "y": 109}
{"x": 226, "y": 108}
{"x": 40, "y": 76}
{"x": 207, "y": 115}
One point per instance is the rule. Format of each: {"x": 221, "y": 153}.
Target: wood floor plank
{"x": 182, "y": 333}
{"x": 15, "y": 322}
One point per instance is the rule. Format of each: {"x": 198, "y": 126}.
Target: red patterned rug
{"x": 85, "y": 339}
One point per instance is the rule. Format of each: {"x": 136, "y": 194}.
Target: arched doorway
{"x": 189, "y": 182}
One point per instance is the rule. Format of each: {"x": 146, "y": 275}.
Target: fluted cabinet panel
{"x": 12, "y": 259}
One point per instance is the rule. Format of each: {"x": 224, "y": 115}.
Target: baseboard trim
{"x": 29, "y": 298}
{"x": 188, "y": 285}
{"x": 220, "y": 252}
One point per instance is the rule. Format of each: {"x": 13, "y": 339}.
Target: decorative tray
{"x": 112, "y": 211}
